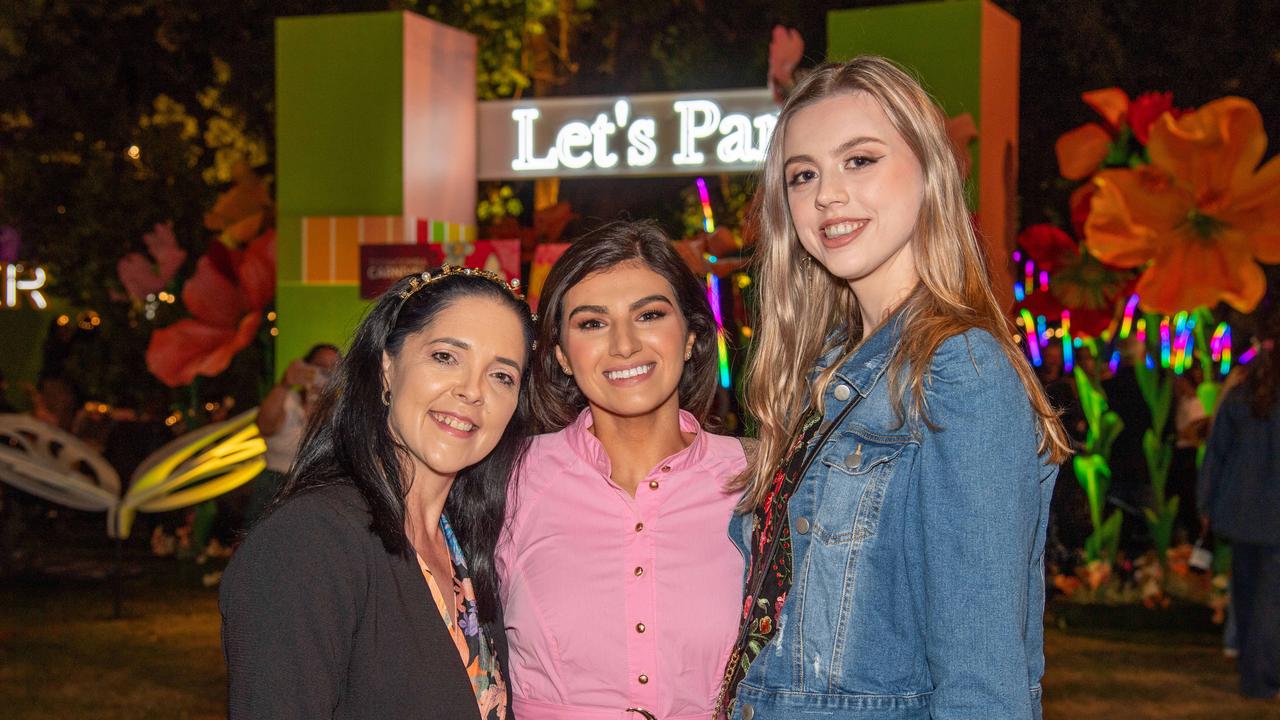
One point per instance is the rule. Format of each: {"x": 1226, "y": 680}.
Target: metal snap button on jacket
{"x": 802, "y": 526}
{"x": 842, "y": 392}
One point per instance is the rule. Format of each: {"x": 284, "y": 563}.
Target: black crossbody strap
{"x": 813, "y": 454}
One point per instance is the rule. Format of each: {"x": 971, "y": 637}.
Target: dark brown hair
{"x": 349, "y": 440}
{"x": 1264, "y": 375}
{"x": 556, "y": 399}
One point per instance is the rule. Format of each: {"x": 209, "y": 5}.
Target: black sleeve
{"x": 291, "y": 600}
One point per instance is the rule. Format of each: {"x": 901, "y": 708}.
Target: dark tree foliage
{"x": 191, "y": 85}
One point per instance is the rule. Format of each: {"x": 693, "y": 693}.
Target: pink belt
{"x": 534, "y": 710}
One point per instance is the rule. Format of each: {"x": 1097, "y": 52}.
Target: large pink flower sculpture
{"x": 142, "y": 276}
{"x": 226, "y": 297}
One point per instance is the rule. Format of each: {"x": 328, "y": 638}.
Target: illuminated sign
{"x": 655, "y": 134}
{"x": 19, "y": 279}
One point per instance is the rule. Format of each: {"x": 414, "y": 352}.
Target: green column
{"x": 965, "y": 53}
{"x": 374, "y": 117}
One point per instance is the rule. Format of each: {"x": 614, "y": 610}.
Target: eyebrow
{"x": 602, "y": 310}
{"x": 844, "y": 147}
{"x": 464, "y": 345}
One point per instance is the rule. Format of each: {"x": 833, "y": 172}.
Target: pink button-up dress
{"x": 614, "y": 602}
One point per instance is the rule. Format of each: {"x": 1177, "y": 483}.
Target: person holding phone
{"x": 282, "y": 416}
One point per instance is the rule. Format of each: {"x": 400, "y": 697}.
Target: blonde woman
{"x": 896, "y": 509}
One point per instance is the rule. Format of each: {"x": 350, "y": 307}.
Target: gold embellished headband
{"x": 417, "y": 282}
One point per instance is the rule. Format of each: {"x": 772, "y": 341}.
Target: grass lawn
{"x": 62, "y": 656}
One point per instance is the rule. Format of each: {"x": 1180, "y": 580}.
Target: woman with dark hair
{"x": 1239, "y": 498}
{"x": 619, "y": 582}
{"x": 368, "y": 590}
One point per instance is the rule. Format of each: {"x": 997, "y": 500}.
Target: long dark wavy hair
{"x": 349, "y": 440}
{"x": 557, "y": 401}
{"x": 1264, "y": 377}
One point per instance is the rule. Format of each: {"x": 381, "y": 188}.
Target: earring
{"x": 386, "y": 398}
{"x": 688, "y": 355}
{"x": 566, "y": 370}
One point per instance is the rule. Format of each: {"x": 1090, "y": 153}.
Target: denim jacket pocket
{"x": 857, "y": 472}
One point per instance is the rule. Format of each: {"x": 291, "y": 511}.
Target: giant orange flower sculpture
{"x": 1200, "y": 217}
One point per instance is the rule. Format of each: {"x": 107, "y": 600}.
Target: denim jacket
{"x": 918, "y": 552}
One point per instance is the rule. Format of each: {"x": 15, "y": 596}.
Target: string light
{"x": 708, "y": 222}
{"x": 1165, "y": 342}
{"x": 1178, "y": 346}
{"x": 1033, "y": 343}
{"x": 713, "y": 287}
{"x": 1130, "y": 308}
{"x": 722, "y": 349}
{"x": 1068, "y": 347}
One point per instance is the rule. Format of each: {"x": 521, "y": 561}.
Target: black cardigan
{"x": 319, "y": 621}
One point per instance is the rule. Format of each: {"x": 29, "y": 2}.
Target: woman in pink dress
{"x": 620, "y": 586}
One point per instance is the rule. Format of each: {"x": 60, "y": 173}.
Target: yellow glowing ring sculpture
{"x": 38, "y": 458}
{"x": 193, "y": 468}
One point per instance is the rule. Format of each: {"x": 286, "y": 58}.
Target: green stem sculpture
{"x": 1093, "y": 469}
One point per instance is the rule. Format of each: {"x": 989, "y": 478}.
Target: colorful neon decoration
{"x": 1130, "y": 308}
{"x": 713, "y": 288}
{"x": 708, "y": 222}
{"x": 1033, "y": 337}
{"x": 1068, "y": 347}
{"x": 1165, "y": 342}
{"x": 1220, "y": 347}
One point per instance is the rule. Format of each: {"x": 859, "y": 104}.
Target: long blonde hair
{"x": 802, "y": 304}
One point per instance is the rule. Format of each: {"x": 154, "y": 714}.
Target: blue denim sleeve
{"x": 979, "y": 506}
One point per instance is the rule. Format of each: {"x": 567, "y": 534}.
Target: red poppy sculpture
{"x": 227, "y": 297}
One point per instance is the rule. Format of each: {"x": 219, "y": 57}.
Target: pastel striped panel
{"x": 434, "y": 232}
{"x": 331, "y": 244}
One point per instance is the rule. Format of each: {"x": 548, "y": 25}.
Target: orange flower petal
{"x": 243, "y": 230}
{"x": 1111, "y": 103}
{"x": 1212, "y": 150}
{"x": 1129, "y": 212}
{"x": 1260, "y": 191}
{"x": 1081, "y": 151}
{"x": 248, "y": 195}
{"x": 1255, "y": 212}
{"x": 1190, "y": 274}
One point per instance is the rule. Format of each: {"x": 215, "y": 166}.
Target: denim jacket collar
{"x": 863, "y": 369}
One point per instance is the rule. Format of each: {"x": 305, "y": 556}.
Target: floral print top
{"x": 474, "y": 646}
{"x": 770, "y": 572}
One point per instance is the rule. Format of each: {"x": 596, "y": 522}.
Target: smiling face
{"x": 454, "y": 384}
{"x": 854, "y": 189}
{"x": 625, "y": 340}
